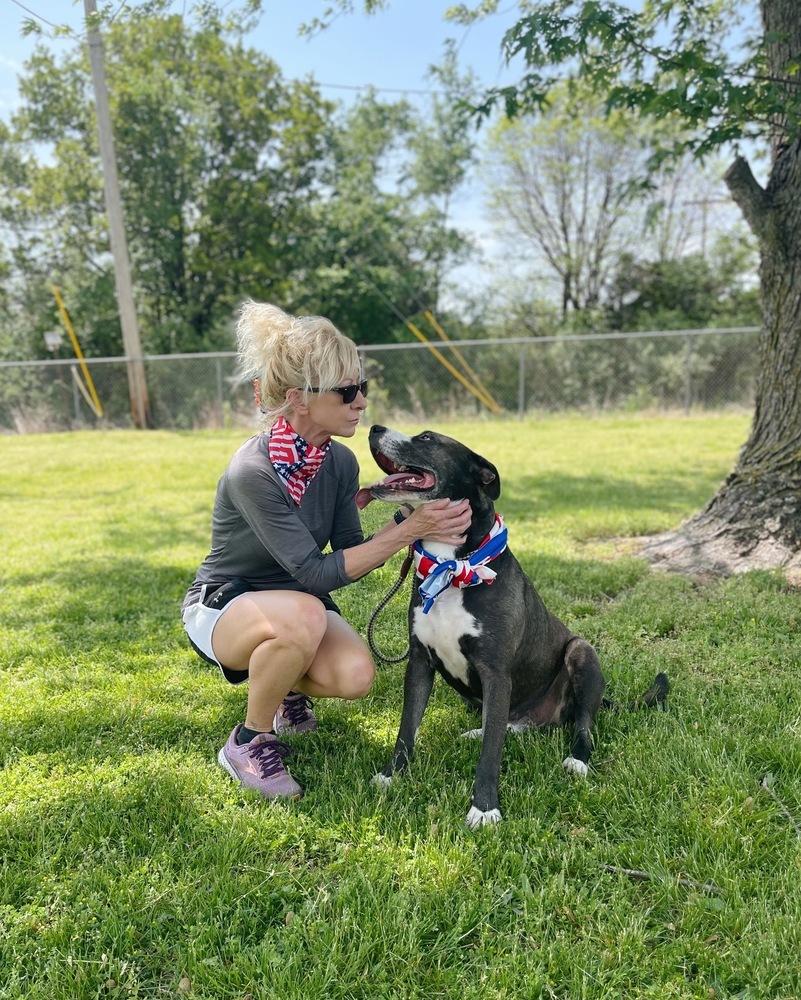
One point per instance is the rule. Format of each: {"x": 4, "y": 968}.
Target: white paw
{"x": 476, "y": 818}
{"x": 577, "y": 767}
{"x": 473, "y": 734}
{"x": 381, "y": 780}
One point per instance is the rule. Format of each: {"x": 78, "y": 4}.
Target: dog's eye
{"x": 425, "y": 436}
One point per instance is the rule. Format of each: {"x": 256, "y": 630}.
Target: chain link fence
{"x": 668, "y": 371}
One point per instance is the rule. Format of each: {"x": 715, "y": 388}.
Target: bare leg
{"x": 342, "y": 667}
{"x": 287, "y": 641}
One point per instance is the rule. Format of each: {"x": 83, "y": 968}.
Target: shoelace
{"x": 269, "y": 756}
{"x": 294, "y": 709}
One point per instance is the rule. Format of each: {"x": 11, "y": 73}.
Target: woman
{"x": 260, "y": 607}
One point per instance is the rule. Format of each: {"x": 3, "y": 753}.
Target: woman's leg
{"x": 343, "y": 666}
{"x": 287, "y": 641}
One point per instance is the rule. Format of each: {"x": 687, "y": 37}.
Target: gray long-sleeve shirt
{"x": 260, "y": 535}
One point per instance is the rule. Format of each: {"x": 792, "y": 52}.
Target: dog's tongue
{"x": 363, "y": 497}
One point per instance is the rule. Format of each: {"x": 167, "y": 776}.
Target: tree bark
{"x": 754, "y": 521}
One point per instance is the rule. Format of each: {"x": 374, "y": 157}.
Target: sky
{"x": 391, "y": 51}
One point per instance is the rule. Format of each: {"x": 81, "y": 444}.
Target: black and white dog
{"x": 476, "y": 618}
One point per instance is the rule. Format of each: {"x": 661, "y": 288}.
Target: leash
{"x": 404, "y": 570}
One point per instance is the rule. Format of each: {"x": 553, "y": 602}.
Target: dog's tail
{"x": 655, "y": 695}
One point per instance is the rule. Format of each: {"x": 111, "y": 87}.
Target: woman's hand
{"x": 436, "y": 521}
{"x": 440, "y": 521}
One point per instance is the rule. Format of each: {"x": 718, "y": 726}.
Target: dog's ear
{"x": 489, "y": 478}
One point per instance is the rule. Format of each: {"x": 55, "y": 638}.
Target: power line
{"x": 380, "y": 90}
{"x": 33, "y": 14}
{"x": 331, "y": 86}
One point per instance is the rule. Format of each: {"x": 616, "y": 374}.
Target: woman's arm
{"x": 438, "y": 521}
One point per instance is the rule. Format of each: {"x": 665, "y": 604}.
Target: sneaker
{"x": 295, "y": 715}
{"x": 260, "y": 765}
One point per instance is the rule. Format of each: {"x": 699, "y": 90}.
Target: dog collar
{"x": 439, "y": 574}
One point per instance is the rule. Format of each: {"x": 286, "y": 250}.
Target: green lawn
{"x": 132, "y": 866}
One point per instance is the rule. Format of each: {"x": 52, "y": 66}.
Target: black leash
{"x": 404, "y": 570}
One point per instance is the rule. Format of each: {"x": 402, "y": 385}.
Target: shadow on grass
{"x": 109, "y": 605}
{"x": 158, "y": 529}
{"x": 538, "y": 496}
{"x": 117, "y": 680}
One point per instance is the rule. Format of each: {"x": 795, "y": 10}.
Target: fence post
{"x": 76, "y": 399}
{"x": 220, "y": 403}
{"x": 688, "y": 385}
{"x": 521, "y": 382}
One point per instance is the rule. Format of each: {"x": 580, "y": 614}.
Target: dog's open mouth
{"x": 401, "y": 479}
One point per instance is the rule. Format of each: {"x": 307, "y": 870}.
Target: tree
{"x": 680, "y": 60}
{"x": 444, "y": 147}
{"x": 691, "y": 290}
{"x": 235, "y": 183}
{"x": 382, "y": 238}
{"x": 218, "y": 159}
{"x": 562, "y": 191}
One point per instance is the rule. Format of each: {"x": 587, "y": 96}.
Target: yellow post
{"x": 455, "y": 372}
{"x": 490, "y": 402}
{"x": 95, "y": 404}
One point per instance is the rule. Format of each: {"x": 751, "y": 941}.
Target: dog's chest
{"x": 441, "y": 629}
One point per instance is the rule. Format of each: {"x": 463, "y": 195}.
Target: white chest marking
{"x": 443, "y": 626}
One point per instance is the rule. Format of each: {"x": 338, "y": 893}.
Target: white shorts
{"x": 201, "y": 616}
{"x": 201, "y": 612}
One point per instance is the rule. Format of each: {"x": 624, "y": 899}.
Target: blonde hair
{"x": 291, "y": 352}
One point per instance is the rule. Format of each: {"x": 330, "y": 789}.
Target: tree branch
{"x": 646, "y": 876}
{"x": 751, "y": 198}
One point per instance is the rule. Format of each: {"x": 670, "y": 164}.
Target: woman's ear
{"x": 297, "y": 400}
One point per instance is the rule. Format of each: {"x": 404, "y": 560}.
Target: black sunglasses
{"x": 347, "y": 392}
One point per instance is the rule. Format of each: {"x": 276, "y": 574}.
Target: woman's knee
{"x": 309, "y": 621}
{"x": 357, "y": 681}
{"x": 264, "y": 623}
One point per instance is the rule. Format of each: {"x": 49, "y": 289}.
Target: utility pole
{"x": 137, "y": 385}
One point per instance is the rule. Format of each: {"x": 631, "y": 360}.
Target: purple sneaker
{"x": 295, "y": 715}
{"x": 260, "y": 765}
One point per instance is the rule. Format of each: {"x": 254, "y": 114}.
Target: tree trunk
{"x": 754, "y": 521}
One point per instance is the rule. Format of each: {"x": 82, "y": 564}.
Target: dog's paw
{"x": 473, "y": 734}
{"x": 577, "y": 767}
{"x": 381, "y": 780}
{"x": 476, "y": 818}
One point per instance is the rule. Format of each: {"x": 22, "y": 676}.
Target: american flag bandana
{"x": 439, "y": 574}
{"x": 296, "y": 461}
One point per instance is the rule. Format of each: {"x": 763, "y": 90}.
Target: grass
{"x": 133, "y": 867}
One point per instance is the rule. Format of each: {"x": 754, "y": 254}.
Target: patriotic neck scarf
{"x": 296, "y": 461}
{"x": 439, "y": 574}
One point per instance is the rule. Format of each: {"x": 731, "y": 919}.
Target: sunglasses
{"x": 347, "y": 392}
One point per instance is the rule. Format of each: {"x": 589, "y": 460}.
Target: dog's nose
{"x": 377, "y": 429}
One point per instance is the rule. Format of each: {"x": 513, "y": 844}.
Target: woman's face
{"x": 326, "y": 414}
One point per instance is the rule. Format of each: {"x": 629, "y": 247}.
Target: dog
{"x": 476, "y": 619}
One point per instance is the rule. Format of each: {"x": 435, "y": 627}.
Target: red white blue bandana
{"x": 439, "y": 574}
{"x": 296, "y": 461}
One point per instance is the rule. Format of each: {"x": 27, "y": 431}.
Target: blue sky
{"x": 391, "y": 50}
